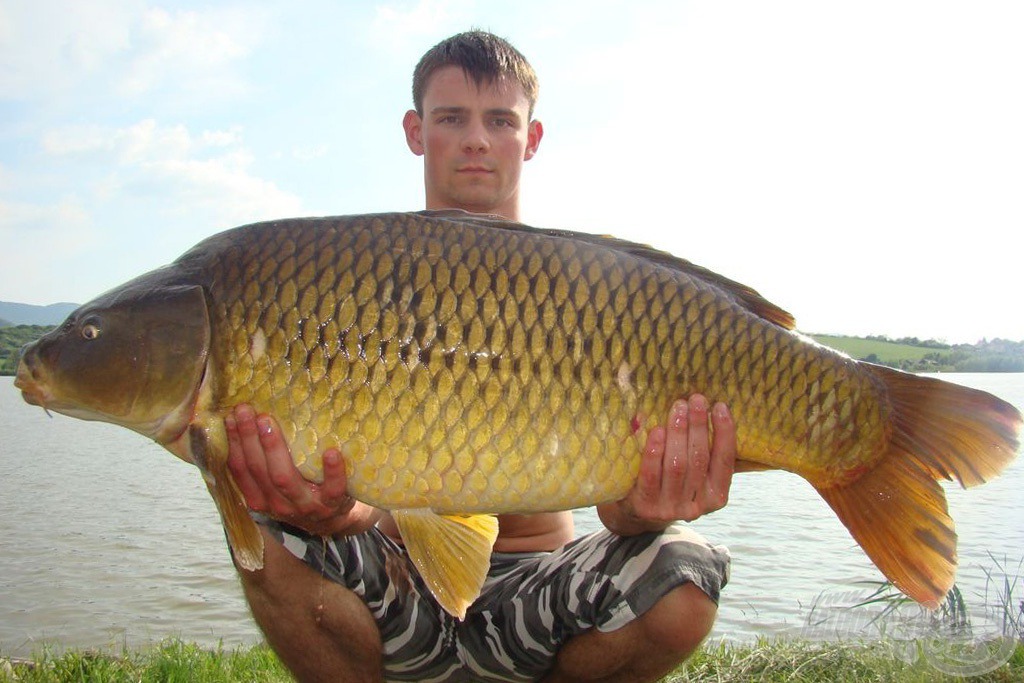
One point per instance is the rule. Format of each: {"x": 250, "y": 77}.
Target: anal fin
{"x": 451, "y": 552}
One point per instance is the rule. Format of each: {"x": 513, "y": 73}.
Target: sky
{"x": 860, "y": 164}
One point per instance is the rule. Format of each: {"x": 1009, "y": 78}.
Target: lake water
{"x": 108, "y": 540}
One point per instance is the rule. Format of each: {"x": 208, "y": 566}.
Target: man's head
{"x": 473, "y": 123}
{"x": 484, "y": 57}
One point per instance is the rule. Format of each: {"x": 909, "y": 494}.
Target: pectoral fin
{"x": 209, "y": 450}
{"x": 451, "y": 552}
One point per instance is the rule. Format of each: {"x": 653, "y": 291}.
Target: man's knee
{"x": 681, "y": 620}
{"x": 289, "y": 594}
{"x": 281, "y": 579}
{"x": 315, "y": 625}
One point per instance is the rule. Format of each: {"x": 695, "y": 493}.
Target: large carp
{"x": 467, "y": 366}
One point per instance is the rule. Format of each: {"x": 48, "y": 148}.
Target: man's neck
{"x": 510, "y": 212}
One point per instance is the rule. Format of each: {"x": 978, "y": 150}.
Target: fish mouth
{"x": 31, "y": 390}
{"x": 32, "y": 393}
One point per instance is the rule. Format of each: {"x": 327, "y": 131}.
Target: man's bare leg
{"x": 645, "y": 649}
{"x": 319, "y": 629}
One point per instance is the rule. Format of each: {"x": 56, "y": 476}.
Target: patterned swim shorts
{"x": 531, "y": 603}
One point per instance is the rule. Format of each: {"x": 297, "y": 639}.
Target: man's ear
{"x": 534, "y": 132}
{"x": 413, "y": 125}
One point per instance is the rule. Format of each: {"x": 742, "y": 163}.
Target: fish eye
{"x": 90, "y": 331}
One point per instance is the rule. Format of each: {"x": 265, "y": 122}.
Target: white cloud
{"x": 121, "y": 48}
{"x": 142, "y": 142}
{"x": 6, "y": 178}
{"x": 140, "y": 193}
{"x": 21, "y": 219}
{"x": 208, "y": 172}
{"x": 309, "y": 153}
{"x": 224, "y": 186}
{"x": 222, "y": 138}
{"x": 48, "y": 46}
{"x": 192, "y": 51}
{"x": 40, "y": 241}
{"x": 400, "y": 23}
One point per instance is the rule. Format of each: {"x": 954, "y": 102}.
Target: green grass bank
{"x": 764, "y": 661}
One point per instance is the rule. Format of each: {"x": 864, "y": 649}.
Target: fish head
{"x": 134, "y": 357}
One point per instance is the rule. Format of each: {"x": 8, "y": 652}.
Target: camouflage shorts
{"x": 531, "y": 603}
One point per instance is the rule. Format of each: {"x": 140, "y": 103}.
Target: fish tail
{"x": 897, "y": 511}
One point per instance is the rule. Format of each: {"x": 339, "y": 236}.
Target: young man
{"x": 339, "y": 600}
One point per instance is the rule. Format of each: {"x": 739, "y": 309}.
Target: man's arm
{"x": 263, "y": 469}
{"x": 684, "y": 473}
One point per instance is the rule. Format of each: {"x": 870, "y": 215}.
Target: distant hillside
{"x": 27, "y": 314}
{"x": 915, "y": 355}
{"x": 12, "y": 338}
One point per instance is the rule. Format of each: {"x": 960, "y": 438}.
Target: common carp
{"x": 466, "y": 366}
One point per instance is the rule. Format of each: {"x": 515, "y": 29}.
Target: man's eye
{"x": 452, "y": 118}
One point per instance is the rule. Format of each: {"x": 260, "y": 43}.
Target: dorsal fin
{"x": 742, "y": 294}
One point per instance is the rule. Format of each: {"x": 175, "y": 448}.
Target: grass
{"x": 803, "y": 662}
{"x": 766, "y": 661}
{"x": 942, "y": 650}
{"x": 171, "y": 662}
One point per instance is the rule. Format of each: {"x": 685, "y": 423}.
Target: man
{"x": 338, "y": 598}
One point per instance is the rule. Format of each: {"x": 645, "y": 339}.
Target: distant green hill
{"x": 12, "y": 339}
{"x": 13, "y": 313}
{"x": 884, "y": 352}
{"x": 914, "y": 355}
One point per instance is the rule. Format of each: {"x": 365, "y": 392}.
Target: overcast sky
{"x": 861, "y": 164}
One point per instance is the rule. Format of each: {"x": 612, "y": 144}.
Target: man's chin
{"x": 477, "y": 202}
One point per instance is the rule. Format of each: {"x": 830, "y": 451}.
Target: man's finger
{"x": 252, "y": 449}
{"x": 648, "y": 480}
{"x": 239, "y": 470}
{"x": 333, "y": 491}
{"x": 723, "y": 458}
{"x": 675, "y": 460}
{"x": 698, "y": 448}
{"x": 282, "y": 471}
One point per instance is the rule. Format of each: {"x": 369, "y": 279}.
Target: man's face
{"x": 474, "y": 142}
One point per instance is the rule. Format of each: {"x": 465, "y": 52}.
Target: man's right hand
{"x": 262, "y": 467}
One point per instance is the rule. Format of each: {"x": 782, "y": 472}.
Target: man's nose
{"x": 476, "y": 139}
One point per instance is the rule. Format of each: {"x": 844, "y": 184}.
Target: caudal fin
{"x": 897, "y": 511}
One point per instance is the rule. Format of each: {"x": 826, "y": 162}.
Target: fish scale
{"x": 469, "y": 366}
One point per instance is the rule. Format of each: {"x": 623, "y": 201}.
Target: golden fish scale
{"x": 478, "y": 369}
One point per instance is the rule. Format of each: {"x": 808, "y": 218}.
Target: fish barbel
{"x": 466, "y": 366}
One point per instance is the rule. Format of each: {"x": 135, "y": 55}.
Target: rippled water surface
{"x": 106, "y": 539}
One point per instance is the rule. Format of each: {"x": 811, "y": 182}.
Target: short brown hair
{"x": 483, "y": 56}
